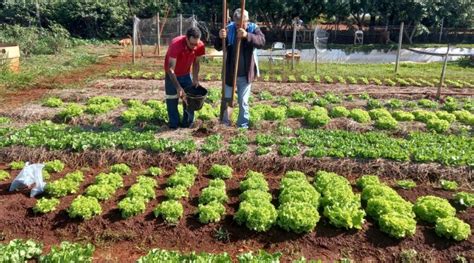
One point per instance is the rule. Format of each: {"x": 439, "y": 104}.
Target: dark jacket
{"x": 247, "y": 46}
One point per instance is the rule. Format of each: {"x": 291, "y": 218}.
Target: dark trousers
{"x": 172, "y": 101}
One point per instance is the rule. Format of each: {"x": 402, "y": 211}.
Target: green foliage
{"x": 84, "y": 207}
{"x": 464, "y": 117}
{"x": 448, "y": 185}
{"x": 211, "y": 212}
{"x": 394, "y": 104}
{"x": 158, "y": 255}
{"x": 184, "y": 175}
{"x": 339, "y": 111}
{"x": 444, "y": 115}
{"x": 131, "y": 206}
{"x": 464, "y": 198}
{"x": 212, "y": 144}
{"x": 376, "y": 114}
{"x": 437, "y": 125}
{"x": 403, "y": 116}
{"x": 397, "y": 225}
{"x": 378, "y": 206}
{"x": 213, "y": 194}
{"x": 367, "y": 180}
{"x": 254, "y": 181}
{"x": 100, "y": 191}
{"x": 238, "y": 145}
{"x": 406, "y": 184}
{"x": 379, "y": 190}
{"x": 184, "y": 147}
{"x": 69, "y": 252}
{"x": 452, "y": 227}
{"x": 300, "y": 191}
{"x": 154, "y": 171}
{"x": 289, "y": 147}
{"x": 176, "y": 192}
{"x": 121, "y": 169}
{"x": 360, "y": 116}
{"x": 171, "y": 211}
{"x": 68, "y": 185}
{"x": 298, "y": 217}
{"x": 424, "y": 116}
{"x": 55, "y": 166}
{"x": 431, "y": 208}
{"x": 102, "y": 104}
{"x": 111, "y": 179}
{"x": 296, "y": 111}
{"x": 260, "y": 256}
{"x": 257, "y": 216}
{"x": 316, "y": 117}
{"x": 265, "y": 95}
{"x": 274, "y": 113}
{"x": 450, "y": 104}
{"x": 298, "y": 96}
{"x": 18, "y": 250}
{"x": 265, "y": 139}
{"x": 70, "y": 111}
{"x": 53, "y": 102}
{"x": 386, "y": 123}
{"x": 374, "y": 104}
{"x": 17, "y": 165}
{"x": 4, "y": 175}
{"x": 220, "y": 171}
{"x": 427, "y": 104}
{"x": 46, "y": 205}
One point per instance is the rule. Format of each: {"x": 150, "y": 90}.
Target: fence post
{"x": 443, "y": 73}
{"x": 180, "y": 24}
{"x": 293, "y": 45}
{"x": 441, "y": 30}
{"x": 158, "y": 33}
{"x": 134, "y": 40}
{"x": 400, "y": 41}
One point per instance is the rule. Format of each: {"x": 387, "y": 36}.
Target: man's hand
{"x": 223, "y": 33}
{"x": 241, "y": 33}
{"x": 182, "y": 94}
{"x": 195, "y": 83}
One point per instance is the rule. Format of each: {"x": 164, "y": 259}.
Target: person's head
{"x": 237, "y": 17}
{"x": 193, "y": 34}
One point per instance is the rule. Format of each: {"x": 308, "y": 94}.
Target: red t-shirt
{"x": 183, "y": 55}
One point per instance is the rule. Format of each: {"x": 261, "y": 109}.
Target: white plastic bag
{"x": 30, "y": 175}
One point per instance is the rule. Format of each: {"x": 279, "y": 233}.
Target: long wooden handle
{"x": 237, "y": 52}
{"x": 224, "y": 59}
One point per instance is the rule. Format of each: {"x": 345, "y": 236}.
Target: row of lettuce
{"x": 18, "y": 250}
{"x": 299, "y": 200}
{"x": 138, "y": 74}
{"x": 451, "y": 150}
{"x": 452, "y": 113}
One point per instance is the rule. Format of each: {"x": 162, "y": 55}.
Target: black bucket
{"x": 196, "y": 97}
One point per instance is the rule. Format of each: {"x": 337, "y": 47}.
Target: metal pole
{"x": 443, "y": 73}
{"x": 316, "y": 59}
{"x": 441, "y": 30}
{"x": 293, "y": 46}
{"x": 134, "y": 44}
{"x": 180, "y": 24}
{"x": 158, "y": 33}
{"x": 400, "y": 41}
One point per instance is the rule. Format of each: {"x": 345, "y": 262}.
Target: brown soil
{"x": 119, "y": 240}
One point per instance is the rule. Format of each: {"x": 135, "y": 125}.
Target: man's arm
{"x": 256, "y": 39}
{"x": 196, "y": 67}
{"x": 174, "y": 79}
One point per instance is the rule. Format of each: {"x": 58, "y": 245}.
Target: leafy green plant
{"x": 18, "y": 250}
{"x": 100, "y": 191}
{"x": 68, "y": 185}
{"x": 70, "y": 111}
{"x": 17, "y": 165}
{"x": 46, "y": 205}
{"x": 427, "y": 104}
{"x": 406, "y": 184}
{"x": 448, "y": 185}
{"x": 55, "y": 166}
{"x": 4, "y": 175}
{"x": 452, "y": 227}
{"x": 53, "y": 102}
{"x": 367, "y": 180}
{"x": 254, "y": 181}
{"x": 403, "y": 115}
{"x": 84, "y": 207}
{"x": 176, "y": 192}
{"x": 265, "y": 139}
{"x": 444, "y": 115}
{"x": 360, "y": 116}
{"x": 390, "y": 82}
{"x": 265, "y": 95}
{"x": 69, "y": 252}
{"x": 431, "y": 208}
{"x": 464, "y": 198}
{"x": 296, "y": 111}
{"x": 376, "y": 114}
{"x": 121, "y": 169}
{"x": 374, "y": 104}
{"x": 386, "y": 123}
{"x": 316, "y": 78}
{"x": 184, "y": 147}
{"x": 339, "y": 111}
{"x": 111, "y": 179}
{"x": 352, "y": 80}
{"x": 220, "y": 171}
{"x": 341, "y": 80}
{"x": 257, "y": 216}
{"x": 262, "y": 150}
{"x": 212, "y": 144}
{"x": 464, "y": 117}
{"x": 154, "y": 171}
{"x": 304, "y": 78}
{"x": 394, "y": 104}
{"x": 239, "y": 144}
{"x": 298, "y": 217}
{"x": 424, "y": 116}
{"x": 397, "y": 225}
{"x": 328, "y": 80}
{"x": 289, "y": 147}
{"x": 131, "y": 206}
{"x": 260, "y": 256}
{"x": 102, "y": 104}
{"x": 437, "y": 125}
{"x": 376, "y": 81}
{"x": 171, "y": 211}
{"x": 211, "y": 212}
{"x": 316, "y": 117}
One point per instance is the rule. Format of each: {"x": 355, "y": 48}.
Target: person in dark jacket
{"x": 252, "y": 38}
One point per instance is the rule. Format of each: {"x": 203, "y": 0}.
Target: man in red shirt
{"x": 183, "y": 52}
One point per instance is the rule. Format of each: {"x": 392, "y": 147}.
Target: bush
{"x": 316, "y": 117}
{"x": 403, "y": 116}
{"x": 437, "y": 125}
{"x": 84, "y": 207}
{"x": 171, "y": 211}
{"x": 464, "y": 198}
{"x": 431, "y": 208}
{"x": 360, "y": 116}
{"x": 220, "y": 171}
{"x": 339, "y": 111}
{"x": 211, "y": 212}
{"x": 452, "y": 227}
{"x": 298, "y": 217}
{"x": 397, "y": 225}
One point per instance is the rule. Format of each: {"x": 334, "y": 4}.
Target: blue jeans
{"x": 172, "y": 101}
{"x": 243, "y": 95}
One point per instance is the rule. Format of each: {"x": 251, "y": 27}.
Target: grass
{"x": 38, "y": 67}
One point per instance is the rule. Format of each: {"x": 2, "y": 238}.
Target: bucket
{"x": 196, "y": 97}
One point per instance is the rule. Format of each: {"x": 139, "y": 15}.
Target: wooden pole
{"x": 443, "y": 73}
{"x": 180, "y": 24}
{"x": 237, "y": 53}
{"x": 441, "y": 30}
{"x": 293, "y": 45}
{"x": 400, "y": 41}
{"x": 224, "y": 62}
{"x": 134, "y": 44}
{"x": 158, "y": 32}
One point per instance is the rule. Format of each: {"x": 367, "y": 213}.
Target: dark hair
{"x": 193, "y": 32}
